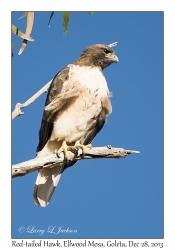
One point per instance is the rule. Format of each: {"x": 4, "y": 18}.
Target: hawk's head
{"x": 99, "y": 55}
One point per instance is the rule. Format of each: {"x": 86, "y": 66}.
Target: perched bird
{"x": 76, "y": 109}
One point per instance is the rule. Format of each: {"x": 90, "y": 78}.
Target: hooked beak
{"x": 112, "y": 57}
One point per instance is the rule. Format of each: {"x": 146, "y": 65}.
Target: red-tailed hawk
{"x": 76, "y": 109}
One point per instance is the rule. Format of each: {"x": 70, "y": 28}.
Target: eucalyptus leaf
{"x": 30, "y": 20}
{"x": 51, "y": 15}
{"x": 19, "y": 33}
{"x": 66, "y": 15}
{"x": 25, "y": 14}
{"x": 12, "y": 48}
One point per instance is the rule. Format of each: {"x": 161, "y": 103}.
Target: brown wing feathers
{"x": 54, "y": 91}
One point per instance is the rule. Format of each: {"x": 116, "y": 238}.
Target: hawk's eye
{"x": 106, "y": 51}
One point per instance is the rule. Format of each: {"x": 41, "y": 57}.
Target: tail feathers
{"x": 46, "y": 183}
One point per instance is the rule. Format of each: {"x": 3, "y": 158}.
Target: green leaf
{"x": 50, "y": 18}
{"x": 19, "y": 33}
{"x": 90, "y": 13}
{"x": 66, "y": 15}
{"x": 25, "y": 14}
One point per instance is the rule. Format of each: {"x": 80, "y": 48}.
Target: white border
{"x": 169, "y": 96}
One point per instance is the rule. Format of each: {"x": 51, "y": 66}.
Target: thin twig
{"x": 17, "y": 111}
{"x": 51, "y": 160}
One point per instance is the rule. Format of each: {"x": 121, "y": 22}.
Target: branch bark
{"x": 53, "y": 160}
{"x": 17, "y": 111}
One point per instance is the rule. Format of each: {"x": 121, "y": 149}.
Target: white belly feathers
{"x": 76, "y": 119}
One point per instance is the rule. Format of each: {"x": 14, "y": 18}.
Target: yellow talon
{"x": 64, "y": 148}
{"x": 83, "y": 147}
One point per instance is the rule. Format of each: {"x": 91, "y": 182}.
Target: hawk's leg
{"x": 65, "y": 148}
{"x": 83, "y": 147}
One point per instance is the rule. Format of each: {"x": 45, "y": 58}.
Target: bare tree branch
{"x": 53, "y": 160}
{"x": 17, "y": 111}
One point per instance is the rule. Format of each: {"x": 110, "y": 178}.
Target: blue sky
{"x": 104, "y": 198}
